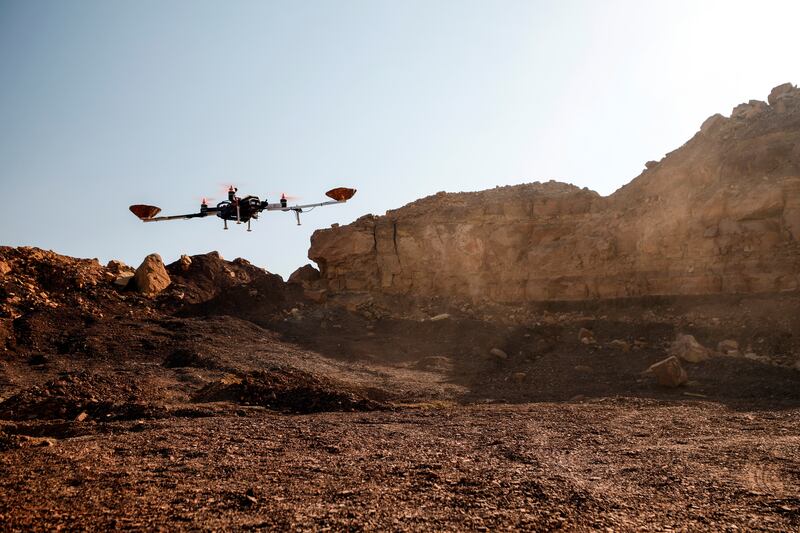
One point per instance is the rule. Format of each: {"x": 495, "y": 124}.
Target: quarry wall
{"x": 721, "y": 214}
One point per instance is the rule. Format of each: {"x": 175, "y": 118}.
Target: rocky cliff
{"x": 721, "y": 214}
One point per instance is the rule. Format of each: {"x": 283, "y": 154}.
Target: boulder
{"x": 185, "y": 262}
{"x": 669, "y": 372}
{"x": 782, "y": 91}
{"x": 151, "y": 277}
{"x": 306, "y": 276}
{"x": 687, "y": 348}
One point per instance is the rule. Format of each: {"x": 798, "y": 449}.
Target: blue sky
{"x": 108, "y": 103}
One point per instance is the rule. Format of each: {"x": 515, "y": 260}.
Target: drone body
{"x": 241, "y": 210}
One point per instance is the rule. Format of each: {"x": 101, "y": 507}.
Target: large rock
{"x": 305, "y": 276}
{"x": 786, "y": 90}
{"x": 151, "y": 277}
{"x": 669, "y": 372}
{"x": 687, "y": 348}
{"x": 721, "y": 214}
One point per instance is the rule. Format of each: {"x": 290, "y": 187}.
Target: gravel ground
{"x": 616, "y": 464}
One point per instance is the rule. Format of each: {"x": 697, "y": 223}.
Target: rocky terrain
{"x": 533, "y": 357}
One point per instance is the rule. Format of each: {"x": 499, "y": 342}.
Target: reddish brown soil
{"x": 230, "y": 402}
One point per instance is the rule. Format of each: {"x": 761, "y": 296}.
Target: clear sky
{"x": 108, "y": 103}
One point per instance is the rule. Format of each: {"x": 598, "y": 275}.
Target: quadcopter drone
{"x": 241, "y": 209}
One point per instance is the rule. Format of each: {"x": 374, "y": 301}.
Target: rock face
{"x": 151, "y": 277}
{"x": 721, "y": 214}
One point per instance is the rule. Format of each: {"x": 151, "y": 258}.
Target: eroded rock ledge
{"x": 721, "y": 214}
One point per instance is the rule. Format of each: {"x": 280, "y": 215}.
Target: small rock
{"x": 123, "y": 279}
{"x": 650, "y": 164}
{"x": 620, "y": 345}
{"x": 498, "y": 353}
{"x": 669, "y": 372}
{"x": 185, "y": 262}
{"x": 755, "y": 357}
{"x": 116, "y": 266}
{"x": 687, "y": 348}
{"x": 81, "y": 417}
{"x": 583, "y": 369}
{"x": 586, "y": 336}
{"x": 437, "y": 318}
{"x": 728, "y": 347}
{"x": 5, "y": 268}
{"x": 519, "y": 377}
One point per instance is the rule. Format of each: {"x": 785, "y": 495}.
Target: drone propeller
{"x": 144, "y": 212}
{"x": 204, "y": 199}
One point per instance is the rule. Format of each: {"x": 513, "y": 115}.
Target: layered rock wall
{"x": 719, "y": 215}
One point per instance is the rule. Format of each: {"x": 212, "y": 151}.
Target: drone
{"x": 241, "y": 210}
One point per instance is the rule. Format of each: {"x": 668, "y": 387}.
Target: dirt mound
{"x": 81, "y": 396}
{"x": 34, "y": 279}
{"x": 208, "y": 285}
{"x": 286, "y": 389}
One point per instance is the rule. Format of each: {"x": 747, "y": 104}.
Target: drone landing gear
{"x": 297, "y": 215}
{"x": 225, "y": 224}
{"x": 248, "y": 225}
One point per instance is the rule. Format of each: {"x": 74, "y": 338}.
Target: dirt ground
{"x": 230, "y": 402}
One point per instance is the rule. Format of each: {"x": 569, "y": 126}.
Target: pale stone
{"x": 687, "y": 348}
{"x": 151, "y": 277}
{"x": 498, "y": 353}
{"x": 669, "y": 372}
{"x": 585, "y": 336}
{"x": 728, "y": 347}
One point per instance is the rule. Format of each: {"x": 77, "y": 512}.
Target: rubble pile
{"x": 286, "y": 389}
{"x": 80, "y": 396}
